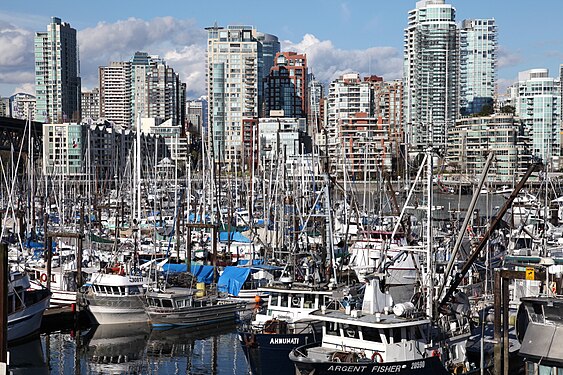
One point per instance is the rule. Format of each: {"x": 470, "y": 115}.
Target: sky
{"x": 364, "y": 36}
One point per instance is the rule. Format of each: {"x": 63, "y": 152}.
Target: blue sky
{"x": 338, "y": 36}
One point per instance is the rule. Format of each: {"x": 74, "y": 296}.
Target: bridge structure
{"x": 15, "y": 131}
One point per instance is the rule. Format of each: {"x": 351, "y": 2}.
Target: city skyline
{"x": 338, "y": 36}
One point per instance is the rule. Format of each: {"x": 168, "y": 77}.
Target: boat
{"x": 387, "y": 335}
{"x": 63, "y": 284}
{"x": 188, "y": 307}
{"x": 25, "y": 306}
{"x": 540, "y": 331}
{"x": 114, "y": 297}
{"x": 243, "y": 282}
{"x": 285, "y": 323}
{"x": 384, "y": 338}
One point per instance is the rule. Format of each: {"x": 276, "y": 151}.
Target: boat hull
{"x": 423, "y": 366}
{"x": 27, "y": 321}
{"x": 193, "y": 316}
{"x": 117, "y": 310}
{"x": 269, "y": 353}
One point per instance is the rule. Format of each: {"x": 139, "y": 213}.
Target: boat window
{"x": 394, "y": 335}
{"x": 309, "y": 302}
{"x": 166, "y": 303}
{"x": 350, "y": 331}
{"x": 115, "y": 290}
{"x": 157, "y": 303}
{"x": 332, "y": 328}
{"x": 284, "y": 298}
{"x": 134, "y": 290}
{"x": 274, "y": 299}
{"x": 371, "y": 334}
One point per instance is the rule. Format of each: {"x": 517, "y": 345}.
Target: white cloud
{"x": 183, "y": 45}
{"x": 328, "y": 62}
{"x": 16, "y": 57}
{"x": 180, "y": 42}
{"x": 27, "y": 88}
{"x": 507, "y": 58}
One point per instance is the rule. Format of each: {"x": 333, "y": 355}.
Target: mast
{"x": 429, "y": 243}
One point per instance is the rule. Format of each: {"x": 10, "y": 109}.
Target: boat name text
{"x": 284, "y": 341}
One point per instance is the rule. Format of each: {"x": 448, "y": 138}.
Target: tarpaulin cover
{"x": 232, "y": 279}
{"x": 234, "y": 237}
{"x": 203, "y": 273}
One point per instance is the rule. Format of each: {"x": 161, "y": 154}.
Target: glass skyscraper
{"x": 237, "y": 57}
{"x": 478, "y": 43}
{"x": 431, "y": 73}
{"x": 57, "y": 74}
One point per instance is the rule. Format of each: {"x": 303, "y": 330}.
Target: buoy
{"x": 43, "y": 278}
{"x": 257, "y": 299}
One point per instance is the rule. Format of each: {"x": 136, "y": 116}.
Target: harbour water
{"x": 132, "y": 349}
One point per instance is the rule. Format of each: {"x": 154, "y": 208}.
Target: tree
{"x": 509, "y": 109}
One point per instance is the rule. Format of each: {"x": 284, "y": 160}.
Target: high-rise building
{"x": 23, "y": 106}
{"x": 91, "y": 104}
{"x": 57, "y": 73}
{"x": 235, "y": 65}
{"x": 431, "y": 73}
{"x": 538, "y": 104}
{"x": 144, "y": 87}
{"x": 472, "y": 138}
{"x": 115, "y": 93}
{"x": 5, "y": 110}
{"x": 285, "y": 88}
{"x": 478, "y": 44}
{"x": 269, "y": 46}
{"x": 315, "y": 93}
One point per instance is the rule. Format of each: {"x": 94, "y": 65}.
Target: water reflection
{"x": 28, "y": 358}
{"x": 133, "y": 349}
{"x": 117, "y": 348}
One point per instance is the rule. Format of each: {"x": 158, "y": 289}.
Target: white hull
{"x": 120, "y": 310}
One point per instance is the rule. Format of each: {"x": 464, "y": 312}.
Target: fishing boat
{"x": 187, "y": 307}
{"x": 285, "y": 323}
{"x": 383, "y": 337}
{"x": 114, "y": 296}
{"x": 25, "y": 306}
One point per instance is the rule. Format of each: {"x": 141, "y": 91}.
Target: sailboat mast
{"x": 429, "y": 243}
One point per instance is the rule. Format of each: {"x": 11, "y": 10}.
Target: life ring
{"x": 43, "y": 278}
{"x": 377, "y": 357}
{"x": 295, "y": 302}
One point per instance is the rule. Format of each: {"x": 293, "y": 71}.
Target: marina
{"x": 285, "y": 222}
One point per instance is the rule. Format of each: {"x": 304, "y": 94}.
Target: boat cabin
{"x": 381, "y": 339}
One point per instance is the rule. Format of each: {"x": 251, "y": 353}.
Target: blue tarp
{"x": 232, "y": 279}
{"x": 38, "y": 245}
{"x": 203, "y": 273}
{"x": 244, "y": 262}
{"x": 234, "y": 237}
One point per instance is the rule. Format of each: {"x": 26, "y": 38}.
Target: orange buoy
{"x": 257, "y": 299}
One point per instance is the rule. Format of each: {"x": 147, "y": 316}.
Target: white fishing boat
{"x": 115, "y": 297}
{"x": 382, "y": 337}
